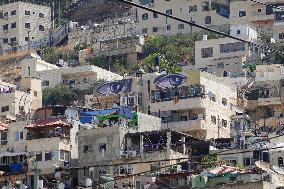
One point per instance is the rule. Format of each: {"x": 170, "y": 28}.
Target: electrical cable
{"x": 200, "y": 26}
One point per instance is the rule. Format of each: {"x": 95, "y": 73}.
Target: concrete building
{"x": 23, "y": 21}
{"x": 228, "y": 55}
{"x": 115, "y": 151}
{"x": 265, "y": 18}
{"x": 128, "y": 47}
{"x": 19, "y": 102}
{"x": 209, "y": 13}
{"x": 80, "y": 77}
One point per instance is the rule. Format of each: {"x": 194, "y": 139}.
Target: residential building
{"x": 128, "y": 47}
{"x": 80, "y": 77}
{"x": 115, "y": 151}
{"x": 22, "y": 22}
{"x": 19, "y": 101}
{"x": 210, "y": 13}
{"x": 265, "y": 17}
{"x": 226, "y": 56}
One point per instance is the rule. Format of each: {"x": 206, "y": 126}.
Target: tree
{"x": 59, "y": 95}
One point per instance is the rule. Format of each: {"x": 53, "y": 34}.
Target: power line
{"x": 200, "y": 26}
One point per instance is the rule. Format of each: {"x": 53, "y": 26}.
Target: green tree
{"x": 59, "y": 95}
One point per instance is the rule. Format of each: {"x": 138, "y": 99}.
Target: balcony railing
{"x": 12, "y": 168}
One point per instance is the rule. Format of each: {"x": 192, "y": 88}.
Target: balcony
{"x": 52, "y": 144}
{"x": 269, "y": 101}
{"x": 12, "y": 168}
{"x": 190, "y": 125}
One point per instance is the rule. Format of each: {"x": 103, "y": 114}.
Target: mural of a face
{"x": 115, "y": 87}
{"x": 170, "y": 81}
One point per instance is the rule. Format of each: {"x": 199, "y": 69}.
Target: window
{"x": 35, "y": 93}
{"x": 192, "y": 8}
{"x": 181, "y": 26}
{"x": 247, "y": 161}
{"x": 145, "y": 31}
{"x": 41, "y": 15}
{"x": 102, "y": 149}
{"x": 27, "y": 12}
{"x": 155, "y": 29}
{"x": 6, "y": 14}
{"x": 21, "y": 108}
{"x": 242, "y": 13}
{"x": 213, "y": 119}
{"x": 5, "y": 40}
{"x": 5, "y": 27}
{"x": 232, "y": 47}
{"x": 5, "y": 109}
{"x": 13, "y": 25}
{"x": 208, "y": 20}
{"x": 220, "y": 65}
{"x": 280, "y": 162}
{"x": 41, "y": 28}
{"x": 48, "y": 156}
{"x": 13, "y": 40}
{"x": 138, "y": 184}
{"x": 155, "y": 15}
{"x": 61, "y": 155}
{"x": 26, "y": 39}
{"x": 281, "y": 35}
{"x": 45, "y": 83}
{"x": 224, "y": 101}
{"x": 145, "y": 16}
{"x": 85, "y": 80}
{"x": 168, "y": 27}
{"x": 238, "y": 32}
{"x": 13, "y": 13}
{"x": 258, "y": 10}
{"x": 27, "y": 25}
{"x": 169, "y": 12}
{"x": 207, "y": 52}
{"x": 224, "y": 123}
{"x": 39, "y": 157}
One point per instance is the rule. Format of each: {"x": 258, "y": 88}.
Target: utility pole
{"x": 53, "y": 15}
{"x": 59, "y": 13}
{"x": 29, "y": 42}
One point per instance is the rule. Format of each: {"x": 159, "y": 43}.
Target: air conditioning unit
{"x": 124, "y": 156}
{"x": 87, "y": 182}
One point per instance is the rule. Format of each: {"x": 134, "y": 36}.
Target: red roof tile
{"x": 49, "y": 123}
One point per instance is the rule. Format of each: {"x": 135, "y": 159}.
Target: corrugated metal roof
{"x": 49, "y": 123}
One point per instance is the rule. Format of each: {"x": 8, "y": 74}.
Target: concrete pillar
{"x": 169, "y": 140}
{"x": 183, "y": 145}
{"x": 141, "y": 145}
{"x": 36, "y": 180}
{"x": 131, "y": 58}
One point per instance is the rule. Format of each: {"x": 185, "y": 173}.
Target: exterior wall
{"x": 250, "y": 185}
{"x": 232, "y": 61}
{"x": 20, "y": 32}
{"x": 238, "y": 157}
{"x": 221, "y": 90}
{"x": 148, "y": 122}
{"x": 180, "y": 9}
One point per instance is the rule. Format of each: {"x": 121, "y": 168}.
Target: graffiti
{"x": 169, "y": 81}
{"x": 115, "y": 87}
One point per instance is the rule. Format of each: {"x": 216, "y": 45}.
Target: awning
{"x": 49, "y": 123}
{"x": 11, "y": 154}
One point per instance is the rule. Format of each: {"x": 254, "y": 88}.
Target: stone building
{"x": 23, "y": 21}
{"x": 211, "y": 13}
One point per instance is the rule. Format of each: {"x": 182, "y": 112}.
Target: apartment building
{"x": 264, "y": 17}
{"x": 226, "y": 56}
{"x": 210, "y": 13}
{"x": 263, "y": 100}
{"x": 23, "y": 21}
{"x": 80, "y": 77}
{"x": 114, "y": 151}
{"x": 19, "y": 101}
{"x": 128, "y": 47}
